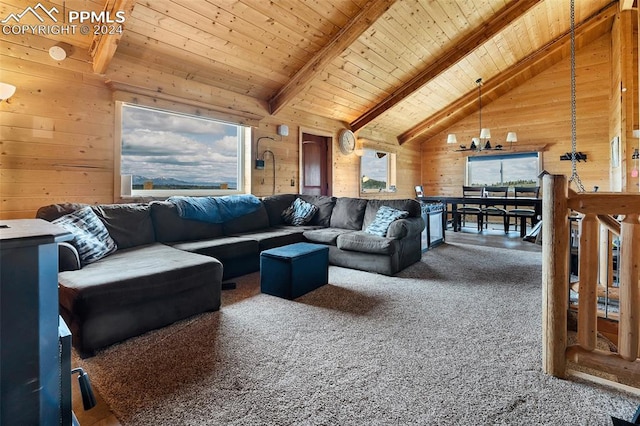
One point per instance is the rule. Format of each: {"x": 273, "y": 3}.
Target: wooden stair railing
{"x": 596, "y": 210}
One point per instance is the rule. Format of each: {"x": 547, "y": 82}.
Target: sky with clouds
{"x": 157, "y": 144}
{"x": 487, "y": 172}
{"x": 372, "y": 166}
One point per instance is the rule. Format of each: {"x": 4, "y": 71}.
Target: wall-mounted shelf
{"x": 567, "y": 156}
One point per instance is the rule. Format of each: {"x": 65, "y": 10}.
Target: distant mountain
{"x": 164, "y": 182}
{"x": 139, "y": 180}
{"x": 374, "y": 184}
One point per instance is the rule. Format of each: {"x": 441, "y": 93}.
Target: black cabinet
{"x": 30, "y": 362}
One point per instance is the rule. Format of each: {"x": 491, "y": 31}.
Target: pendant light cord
{"x": 575, "y": 178}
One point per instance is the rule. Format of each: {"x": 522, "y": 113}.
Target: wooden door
{"x": 314, "y": 164}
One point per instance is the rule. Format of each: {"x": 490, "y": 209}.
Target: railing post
{"x": 555, "y": 274}
{"x": 629, "y": 331}
{"x": 588, "y": 288}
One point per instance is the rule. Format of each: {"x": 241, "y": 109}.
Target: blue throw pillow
{"x": 383, "y": 219}
{"x": 90, "y": 236}
{"x": 299, "y": 212}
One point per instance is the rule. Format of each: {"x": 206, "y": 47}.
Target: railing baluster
{"x": 588, "y": 288}
{"x": 629, "y": 326}
{"x": 555, "y": 274}
{"x": 595, "y": 264}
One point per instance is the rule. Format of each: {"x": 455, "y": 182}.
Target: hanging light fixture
{"x": 485, "y": 132}
{"x": 482, "y": 142}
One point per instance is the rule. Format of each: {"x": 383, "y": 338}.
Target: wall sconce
{"x": 6, "y": 91}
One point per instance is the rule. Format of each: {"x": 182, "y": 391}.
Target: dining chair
{"x": 522, "y": 214}
{"x": 499, "y": 211}
{"x": 470, "y": 191}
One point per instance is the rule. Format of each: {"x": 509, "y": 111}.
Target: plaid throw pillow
{"x": 90, "y": 236}
{"x": 299, "y": 212}
{"x": 384, "y": 216}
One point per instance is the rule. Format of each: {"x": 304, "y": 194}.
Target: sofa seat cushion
{"x": 367, "y": 243}
{"x": 136, "y": 275}
{"x": 325, "y": 235}
{"x": 221, "y": 248}
{"x": 297, "y": 229}
{"x": 273, "y": 237}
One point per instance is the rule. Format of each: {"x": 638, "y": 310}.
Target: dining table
{"x": 455, "y": 201}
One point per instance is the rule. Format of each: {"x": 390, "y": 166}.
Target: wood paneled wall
{"x": 539, "y": 111}
{"x": 345, "y": 169}
{"x": 57, "y": 131}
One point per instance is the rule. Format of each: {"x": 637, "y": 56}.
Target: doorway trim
{"x": 316, "y": 132}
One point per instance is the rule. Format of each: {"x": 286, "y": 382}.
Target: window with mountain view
{"x": 519, "y": 169}
{"x": 377, "y": 171}
{"x": 166, "y": 153}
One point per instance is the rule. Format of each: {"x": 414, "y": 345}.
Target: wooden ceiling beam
{"x": 505, "y": 81}
{"x": 626, "y": 4}
{"x": 104, "y": 46}
{"x": 479, "y": 36}
{"x": 343, "y": 39}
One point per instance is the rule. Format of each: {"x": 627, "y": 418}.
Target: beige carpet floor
{"x": 453, "y": 340}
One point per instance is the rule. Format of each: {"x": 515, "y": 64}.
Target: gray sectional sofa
{"x": 167, "y": 268}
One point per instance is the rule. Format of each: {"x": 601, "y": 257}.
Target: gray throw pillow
{"x": 299, "y": 212}
{"x": 383, "y": 219}
{"x": 90, "y": 236}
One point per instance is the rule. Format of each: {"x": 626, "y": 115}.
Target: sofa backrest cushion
{"x": 258, "y": 219}
{"x": 170, "y": 227}
{"x": 54, "y": 211}
{"x": 129, "y": 225}
{"x": 325, "y": 205}
{"x": 412, "y": 206}
{"x": 275, "y": 205}
{"x": 348, "y": 213}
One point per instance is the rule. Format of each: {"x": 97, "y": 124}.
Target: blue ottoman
{"x": 293, "y": 270}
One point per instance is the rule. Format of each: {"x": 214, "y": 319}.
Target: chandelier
{"x": 481, "y": 142}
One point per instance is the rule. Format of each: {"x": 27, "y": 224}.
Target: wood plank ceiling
{"x": 400, "y": 69}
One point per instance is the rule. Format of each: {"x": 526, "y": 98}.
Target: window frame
{"x": 503, "y": 156}
{"x": 391, "y": 160}
{"x": 121, "y": 192}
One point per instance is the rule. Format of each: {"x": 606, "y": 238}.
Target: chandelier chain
{"x": 574, "y": 166}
